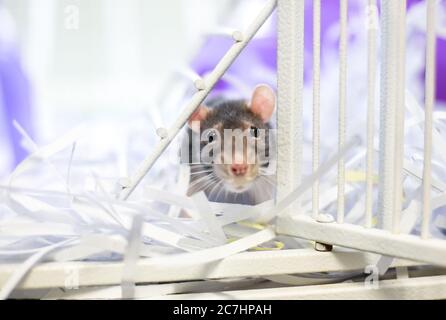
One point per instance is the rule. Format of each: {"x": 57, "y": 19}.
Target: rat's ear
{"x": 199, "y": 115}
{"x": 263, "y": 102}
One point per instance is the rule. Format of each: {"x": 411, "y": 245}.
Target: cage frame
{"x": 365, "y": 243}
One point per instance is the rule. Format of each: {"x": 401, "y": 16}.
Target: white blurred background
{"x": 84, "y": 57}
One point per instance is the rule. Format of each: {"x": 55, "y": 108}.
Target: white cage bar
{"x": 199, "y": 97}
{"x": 371, "y": 242}
{"x": 239, "y": 265}
{"x": 290, "y": 83}
{"x": 429, "y": 105}
{"x": 316, "y": 98}
{"x": 387, "y": 239}
{"x": 343, "y": 43}
{"x": 389, "y": 97}
{"x": 399, "y": 117}
{"x": 372, "y": 24}
{"x": 290, "y": 128}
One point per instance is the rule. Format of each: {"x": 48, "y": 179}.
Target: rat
{"x": 234, "y": 138}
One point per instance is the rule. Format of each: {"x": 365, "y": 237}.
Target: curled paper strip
{"x": 73, "y": 214}
{"x": 216, "y": 253}
{"x": 25, "y": 267}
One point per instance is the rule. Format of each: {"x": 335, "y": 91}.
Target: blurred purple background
{"x": 261, "y": 52}
{"x": 15, "y": 90}
{"x": 258, "y": 60}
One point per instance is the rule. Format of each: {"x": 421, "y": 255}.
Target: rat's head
{"x": 235, "y": 138}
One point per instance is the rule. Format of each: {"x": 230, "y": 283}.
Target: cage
{"x": 336, "y": 252}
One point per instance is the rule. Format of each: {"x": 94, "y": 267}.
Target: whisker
{"x": 214, "y": 189}
{"x": 221, "y": 189}
{"x": 200, "y": 165}
{"x": 269, "y": 191}
{"x": 199, "y": 180}
{"x": 264, "y": 178}
{"x": 261, "y": 191}
{"x": 265, "y": 172}
{"x": 204, "y": 171}
{"x": 255, "y": 191}
{"x": 201, "y": 187}
{"x": 214, "y": 186}
{"x": 207, "y": 185}
{"x": 226, "y": 194}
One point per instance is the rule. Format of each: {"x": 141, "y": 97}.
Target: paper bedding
{"x": 60, "y": 204}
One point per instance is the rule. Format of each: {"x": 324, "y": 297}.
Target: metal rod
{"x": 343, "y": 43}
{"x": 389, "y": 95}
{"x": 372, "y": 240}
{"x": 371, "y": 72}
{"x": 429, "y": 106}
{"x": 290, "y": 75}
{"x": 399, "y": 117}
{"x": 316, "y": 98}
{"x": 198, "y": 98}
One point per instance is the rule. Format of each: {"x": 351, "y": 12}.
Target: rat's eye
{"x": 255, "y": 132}
{"x": 211, "y": 136}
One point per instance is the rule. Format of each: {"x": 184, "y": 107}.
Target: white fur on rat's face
{"x": 229, "y": 167}
{"x": 234, "y": 183}
{"x": 238, "y": 169}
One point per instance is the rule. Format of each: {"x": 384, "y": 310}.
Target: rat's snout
{"x": 239, "y": 170}
{"x": 238, "y": 177}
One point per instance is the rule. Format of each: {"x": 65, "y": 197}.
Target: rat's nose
{"x": 239, "y": 169}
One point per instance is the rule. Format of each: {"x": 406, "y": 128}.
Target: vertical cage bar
{"x": 399, "y": 117}
{"x": 372, "y": 25}
{"x": 389, "y": 94}
{"x": 343, "y": 42}
{"x": 290, "y": 74}
{"x": 429, "y": 106}
{"x": 316, "y": 98}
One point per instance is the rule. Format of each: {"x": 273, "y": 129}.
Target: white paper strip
{"x": 131, "y": 258}
{"x": 217, "y": 253}
{"x": 205, "y": 211}
{"x": 47, "y": 151}
{"x": 198, "y": 98}
{"x": 20, "y": 273}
